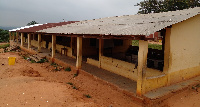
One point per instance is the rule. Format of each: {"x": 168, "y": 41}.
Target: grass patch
{"x": 33, "y": 61}
{"x": 54, "y": 64}
{"x": 152, "y": 46}
{"x": 75, "y": 75}
{"x": 87, "y": 96}
{"x": 4, "y": 46}
{"x": 155, "y": 46}
{"x": 74, "y": 87}
{"x": 56, "y": 69}
{"x": 70, "y": 83}
{"x": 42, "y": 61}
{"x": 68, "y": 69}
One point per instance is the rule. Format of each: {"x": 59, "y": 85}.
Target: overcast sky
{"x": 17, "y": 13}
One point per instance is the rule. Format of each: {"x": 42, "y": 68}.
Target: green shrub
{"x": 155, "y": 46}
{"x": 4, "y": 46}
{"x": 68, "y": 69}
{"x": 135, "y": 42}
{"x": 70, "y": 83}
{"x": 74, "y": 87}
{"x": 42, "y": 61}
{"x": 75, "y": 75}
{"x": 33, "y": 61}
{"x": 87, "y": 95}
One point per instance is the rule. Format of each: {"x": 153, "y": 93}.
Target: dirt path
{"x": 33, "y": 84}
{"x": 187, "y": 98}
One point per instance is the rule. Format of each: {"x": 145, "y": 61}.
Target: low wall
{"x": 34, "y": 43}
{"x": 151, "y": 83}
{"x": 93, "y": 62}
{"x": 119, "y": 67}
{"x": 69, "y": 50}
{"x": 185, "y": 74}
{"x": 28, "y": 50}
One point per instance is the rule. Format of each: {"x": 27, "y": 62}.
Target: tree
{"x": 32, "y": 23}
{"x": 156, "y": 6}
{"x": 4, "y": 35}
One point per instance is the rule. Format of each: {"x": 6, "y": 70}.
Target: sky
{"x": 17, "y": 13}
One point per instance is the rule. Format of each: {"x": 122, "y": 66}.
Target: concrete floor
{"x": 117, "y": 80}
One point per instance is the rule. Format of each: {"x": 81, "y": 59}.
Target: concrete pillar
{"x": 39, "y": 42}
{"x": 17, "y": 36}
{"x": 71, "y": 46}
{"x": 142, "y": 64}
{"x": 22, "y": 39}
{"x": 33, "y": 37}
{"x": 79, "y": 52}
{"x": 13, "y": 36}
{"x": 10, "y": 36}
{"x": 101, "y": 45}
{"x": 167, "y": 63}
{"x": 53, "y": 46}
{"x": 29, "y": 40}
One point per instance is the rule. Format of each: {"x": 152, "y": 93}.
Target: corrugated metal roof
{"x": 143, "y": 24}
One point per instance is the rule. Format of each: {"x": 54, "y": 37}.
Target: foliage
{"x": 156, "y": 6}
{"x": 70, "y": 83}
{"x": 4, "y": 46}
{"x": 4, "y": 35}
{"x": 75, "y": 75}
{"x": 153, "y": 46}
{"x": 68, "y": 69}
{"x": 87, "y": 95}
{"x": 135, "y": 42}
{"x": 74, "y": 87}
{"x": 42, "y": 61}
{"x": 32, "y": 23}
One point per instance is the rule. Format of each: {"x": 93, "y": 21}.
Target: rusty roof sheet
{"x": 37, "y": 27}
{"x": 44, "y": 26}
{"x": 25, "y": 27}
{"x": 141, "y": 24}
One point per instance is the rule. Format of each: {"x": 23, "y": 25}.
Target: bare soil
{"x": 27, "y": 84}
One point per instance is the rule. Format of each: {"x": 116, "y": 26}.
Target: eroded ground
{"x": 34, "y": 84}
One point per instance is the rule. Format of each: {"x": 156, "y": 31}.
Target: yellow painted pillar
{"x": 10, "y": 36}
{"x": 39, "y": 42}
{"x": 17, "y": 36}
{"x": 13, "y": 36}
{"x": 22, "y": 39}
{"x": 53, "y": 46}
{"x": 33, "y": 37}
{"x": 101, "y": 45}
{"x": 71, "y": 46}
{"x": 29, "y": 40}
{"x": 142, "y": 64}
{"x": 167, "y": 56}
{"x": 79, "y": 52}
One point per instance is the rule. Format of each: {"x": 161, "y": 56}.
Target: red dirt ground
{"x": 33, "y": 85}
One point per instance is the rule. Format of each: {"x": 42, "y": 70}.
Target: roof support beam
{"x": 39, "y": 42}
{"x": 53, "y": 46}
{"x": 17, "y": 36}
{"x": 29, "y": 40}
{"x": 142, "y": 64}
{"x": 9, "y": 35}
{"x": 79, "y": 52}
{"x": 22, "y": 39}
{"x": 167, "y": 52}
{"x": 101, "y": 45}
